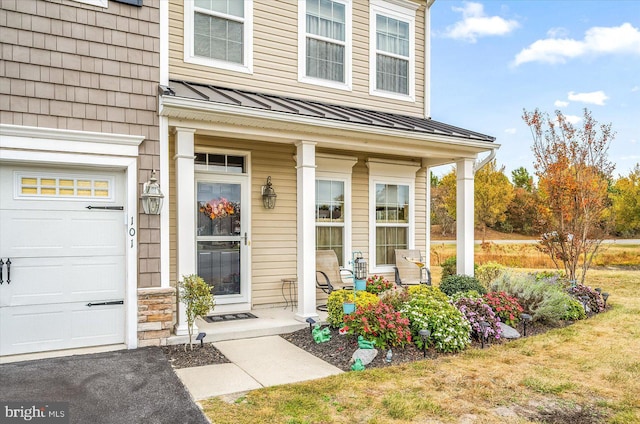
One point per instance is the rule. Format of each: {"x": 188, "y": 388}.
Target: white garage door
{"x": 63, "y": 264}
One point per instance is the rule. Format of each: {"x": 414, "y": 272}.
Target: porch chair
{"x": 329, "y": 274}
{"x": 407, "y": 270}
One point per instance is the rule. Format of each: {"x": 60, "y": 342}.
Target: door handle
{"x": 245, "y": 239}
{"x": 8, "y": 270}
{"x": 1, "y": 271}
{"x": 115, "y": 302}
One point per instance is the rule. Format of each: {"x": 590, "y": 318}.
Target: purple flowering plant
{"x": 477, "y": 311}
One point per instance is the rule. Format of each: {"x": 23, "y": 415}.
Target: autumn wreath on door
{"x": 223, "y": 216}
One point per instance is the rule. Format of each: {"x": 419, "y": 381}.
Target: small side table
{"x": 292, "y": 283}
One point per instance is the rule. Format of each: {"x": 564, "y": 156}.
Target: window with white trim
{"x": 330, "y": 216}
{"x": 392, "y": 211}
{"x": 325, "y": 42}
{"x": 219, "y": 33}
{"x": 333, "y": 204}
{"x": 392, "y": 50}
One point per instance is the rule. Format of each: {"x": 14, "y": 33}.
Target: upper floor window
{"x": 325, "y": 42}
{"x": 392, "y": 61}
{"x": 219, "y": 33}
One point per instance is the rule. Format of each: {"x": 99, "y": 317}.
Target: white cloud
{"x": 510, "y": 130}
{"x": 572, "y": 119}
{"x": 636, "y": 88}
{"x": 475, "y": 23}
{"x": 557, "y": 32}
{"x": 624, "y": 39}
{"x": 593, "y": 98}
{"x": 560, "y": 103}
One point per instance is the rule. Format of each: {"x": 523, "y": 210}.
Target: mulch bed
{"x": 336, "y": 351}
{"x": 199, "y": 356}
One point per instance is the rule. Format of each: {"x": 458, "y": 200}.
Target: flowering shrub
{"x": 449, "y": 328}
{"x": 594, "y": 300}
{"x": 505, "y": 306}
{"x": 396, "y": 297}
{"x": 338, "y": 297}
{"x": 217, "y": 208}
{"x": 380, "y": 323}
{"x": 427, "y": 292}
{"x": 574, "y": 311}
{"x": 460, "y": 283}
{"x": 377, "y": 284}
{"x": 471, "y": 294}
{"x": 476, "y": 311}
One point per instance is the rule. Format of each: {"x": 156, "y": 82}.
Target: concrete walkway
{"x": 255, "y": 363}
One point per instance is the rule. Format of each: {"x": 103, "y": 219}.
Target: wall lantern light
{"x": 152, "y": 197}
{"x": 268, "y": 195}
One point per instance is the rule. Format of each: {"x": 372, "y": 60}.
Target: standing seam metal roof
{"x": 314, "y": 109}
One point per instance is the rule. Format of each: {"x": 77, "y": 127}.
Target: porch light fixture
{"x": 268, "y": 195}
{"x": 152, "y": 197}
{"x": 424, "y": 335}
{"x": 525, "y": 318}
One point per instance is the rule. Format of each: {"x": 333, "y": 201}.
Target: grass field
{"x": 528, "y": 256}
{"x": 586, "y": 373}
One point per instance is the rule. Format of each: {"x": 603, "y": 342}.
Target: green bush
{"x": 460, "y": 283}
{"x": 543, "y": 297}
{"x": 488, "y": 272}
{"x": 449, "y": 328}
{"x": 427, "y": 292}
{"x": 381, "y": 323}
{"x": 448, "y": 267}
{"x": 471, "y": 294}
{"x": 195, "y": 293}
{"x": 575, "y": 311}
{"x": 335, "y": 312}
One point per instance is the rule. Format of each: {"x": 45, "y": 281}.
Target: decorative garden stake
{"x": 605, "y": 296}
{"x": 424, "y": 335}
{"x": 311, "y": 321}
{"x": 598, "y": 290}
{"x": 321, "y": 335}
{"x": 525, "y": 319}
{"x": 483, "y": 326}
{"x": 389, "y": 356}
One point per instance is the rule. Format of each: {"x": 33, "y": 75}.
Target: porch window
{"x": 392, "y": 221}
{"x": 392, "y": 50}
{"x": 330, "y": 212}
{"x": 219, "y": 33}
{"x": 325, "y": 42}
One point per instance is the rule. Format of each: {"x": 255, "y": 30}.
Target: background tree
{"x": 626, "y": 204}
{"x": 522, "y": 179}
{"x": 493, "y": 193}
{"x": 439, "y": 214}
{"x": 573, "y": 169}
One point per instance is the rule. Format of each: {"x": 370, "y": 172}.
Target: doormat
{"x": 229, "y": 317}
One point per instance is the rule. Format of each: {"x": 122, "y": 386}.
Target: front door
{"x": 222, "y": 236}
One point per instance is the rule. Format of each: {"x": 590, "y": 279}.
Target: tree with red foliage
{"x": 574, "y": 172}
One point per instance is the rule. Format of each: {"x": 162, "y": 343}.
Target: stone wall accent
{"x": 156, "y": 315}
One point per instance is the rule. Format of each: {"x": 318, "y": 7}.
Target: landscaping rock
{"x": 365, "y": 355}
{"x": 508, "y": 332}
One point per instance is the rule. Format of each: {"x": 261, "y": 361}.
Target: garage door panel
{"x": 37, "y": 233}
{"x": 59, "y": 326}
{"x": 36, "y": 281}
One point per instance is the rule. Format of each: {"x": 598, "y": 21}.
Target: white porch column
{"x": 427, "y": 239}
{"x": 464, "y": 216}
{"x": 185, "y": 216}
{"x": 306, "y": 199}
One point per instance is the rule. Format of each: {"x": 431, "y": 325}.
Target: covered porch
{"x": 299, "y": 143}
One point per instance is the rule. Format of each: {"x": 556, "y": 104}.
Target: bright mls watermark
{"x": 34, "y": 412}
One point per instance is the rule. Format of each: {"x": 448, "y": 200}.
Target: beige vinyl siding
{"x": 275, "y": 58}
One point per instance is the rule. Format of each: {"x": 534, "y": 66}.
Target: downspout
{"x": 427, "y": 59}
{"x": 163, "y": 124}
{"x": 485, "y": 161}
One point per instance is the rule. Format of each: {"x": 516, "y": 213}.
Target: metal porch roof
{"x": 314, "y": 109}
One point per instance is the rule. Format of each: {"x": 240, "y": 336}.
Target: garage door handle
{"x": 115, "y": 302}
{"x": 107, "y": 208}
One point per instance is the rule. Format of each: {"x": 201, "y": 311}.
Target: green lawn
{"x": 587, "y": 372}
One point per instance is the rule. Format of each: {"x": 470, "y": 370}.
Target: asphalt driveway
{"x": 128, "y": 386}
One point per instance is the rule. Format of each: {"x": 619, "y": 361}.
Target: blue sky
{"x": 491, "y": 59}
